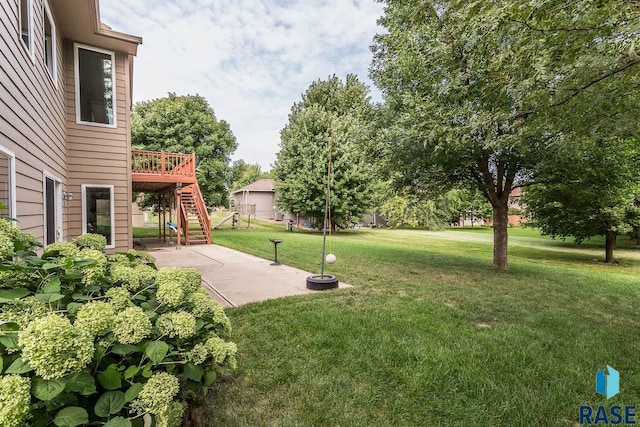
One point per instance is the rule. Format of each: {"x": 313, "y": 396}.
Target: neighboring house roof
{"x": 264, "y": 185}
{"x": 516, "y": 192}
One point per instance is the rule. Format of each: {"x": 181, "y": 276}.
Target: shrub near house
{"x": 86, "y": 338}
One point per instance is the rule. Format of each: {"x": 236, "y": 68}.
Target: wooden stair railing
{"x": 194, "y": 211}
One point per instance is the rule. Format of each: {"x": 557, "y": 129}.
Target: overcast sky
{"x": 251, "y": 59}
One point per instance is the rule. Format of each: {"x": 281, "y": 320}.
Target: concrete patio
{"x": 234, "y": 278}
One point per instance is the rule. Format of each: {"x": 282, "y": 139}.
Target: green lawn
{"x": 430, "y": 334}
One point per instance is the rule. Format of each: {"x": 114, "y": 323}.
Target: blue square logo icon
{"x": 608, "y": 385}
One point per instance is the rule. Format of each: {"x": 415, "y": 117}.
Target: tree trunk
{"x": 500, "y": 235}
{"x": 610, "y": 246}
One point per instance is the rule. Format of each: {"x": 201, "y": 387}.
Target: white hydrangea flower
{"x": 170, "y": 294}
{"x": 131, "y": 325}
{"x": 92, "y": 273}
{"x": 133, "y": 278}
{"x": 143, "y": 256}
{"x": 206, "y": 307}
{"x": 6, "y": 247}
{"x": 157, "y": 393}
{"x": 54, "y": 348}
{"x": 171, "y": 416}
{"x": 119, "y": 298}
{"x": 198, "y": 354}
{"x": 24, "y": 311}
{"x": 96, "y": 318}
{"x": 65, "y": 249}
{"x": 176, "y": 324}
{"x": 223, "y": 352}
{"x": 188, "y": 278}
{"x": 15, "y": 398}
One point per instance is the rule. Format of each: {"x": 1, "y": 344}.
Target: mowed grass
{"x": 430, "y": 334}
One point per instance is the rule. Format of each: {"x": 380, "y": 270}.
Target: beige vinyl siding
{"x": 99, "y": 155}
{"x": 32, "y": 114}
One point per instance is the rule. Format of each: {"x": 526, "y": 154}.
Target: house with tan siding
{"x": 65, "y": 98}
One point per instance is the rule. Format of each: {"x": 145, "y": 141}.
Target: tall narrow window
{"x": 7, "y": 183}
{"x": 49, "y": 42}
{"x": 26, "y": 29}
{"x": 52, "y": 209}
{"x": 97, "y": 211}
{"x": 95, "y": 86}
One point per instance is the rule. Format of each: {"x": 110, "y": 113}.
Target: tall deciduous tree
{"x": 478, "y": 86}
{"x": 330, "y": 121}
{"x": 187, "y": 124}
{"x": 592, "y": 188}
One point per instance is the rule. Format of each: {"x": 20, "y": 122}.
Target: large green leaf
{"x": 9, "y": 341}
{"x": 18, "y": 366}
{"x": 193, "y": 372}
{"x": 49, "y": 298}
{"x": 210, "y": 376}
{"x": 131, "y": 371}
{"x": 7, "y": 295}
{"x": 80, "y": 382}
{"x": 52, "y": 286}
{"x": 1, "y": 364}
{"x": 49, "y": 266}
{"x": 118, "y": 422}
{"x": 47, "y": 389}
{"x": 110, "y": 379}
{"x": 133, "y": 392}
{"x": 147, "y": 372}
{"x": 110, "y": 403}
{"x": 156, "y": 350}
{"x": 71, "y": 417}
{"x": 61, "y": 400}
{"x": 123, "y": 349}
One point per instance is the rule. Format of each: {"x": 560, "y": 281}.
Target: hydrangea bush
{"x": 90, "y": 339}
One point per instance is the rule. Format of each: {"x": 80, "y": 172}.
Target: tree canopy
{"x": 329, "y": 122}
{"x": 479, "y": 90}
{"x": 187, "y": 124}
{"x": 591, "y": 188}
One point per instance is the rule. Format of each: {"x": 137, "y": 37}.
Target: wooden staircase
{"x": 194, "y": 218}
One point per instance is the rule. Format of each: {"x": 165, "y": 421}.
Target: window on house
{"x": 97, "y": 211}
{"x": 7, "y": 183}
{"x": 49, "y": 42}
{"x": 26, "y": 30}
{"x": 95, "y": 94}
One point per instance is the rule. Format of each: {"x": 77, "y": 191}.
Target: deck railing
{"x": 163, "y": 164}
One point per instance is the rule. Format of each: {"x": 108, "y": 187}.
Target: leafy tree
{"x": 481, "y": 89}
{"x": 581, "y": 201}
{"x": 331, "y": 119}
{"x": 432, "y": 214}
{"x": 186, "y": 124}
{"x": 243, "y": 174}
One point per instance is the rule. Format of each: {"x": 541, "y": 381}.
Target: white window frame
{"x": 112, "y": 212}
{"x": 76, "y": 62}
{"x": 12, "y": 180}
{"x": 28, "y": 49}
{"x": 58, "y": 212}
{"x": 53, "y": 72}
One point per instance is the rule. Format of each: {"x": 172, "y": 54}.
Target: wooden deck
{"x": 158, "y": 172}
{"x": 173, "y": 177}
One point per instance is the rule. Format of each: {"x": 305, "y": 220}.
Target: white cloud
{"x": 251, "y": 59}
